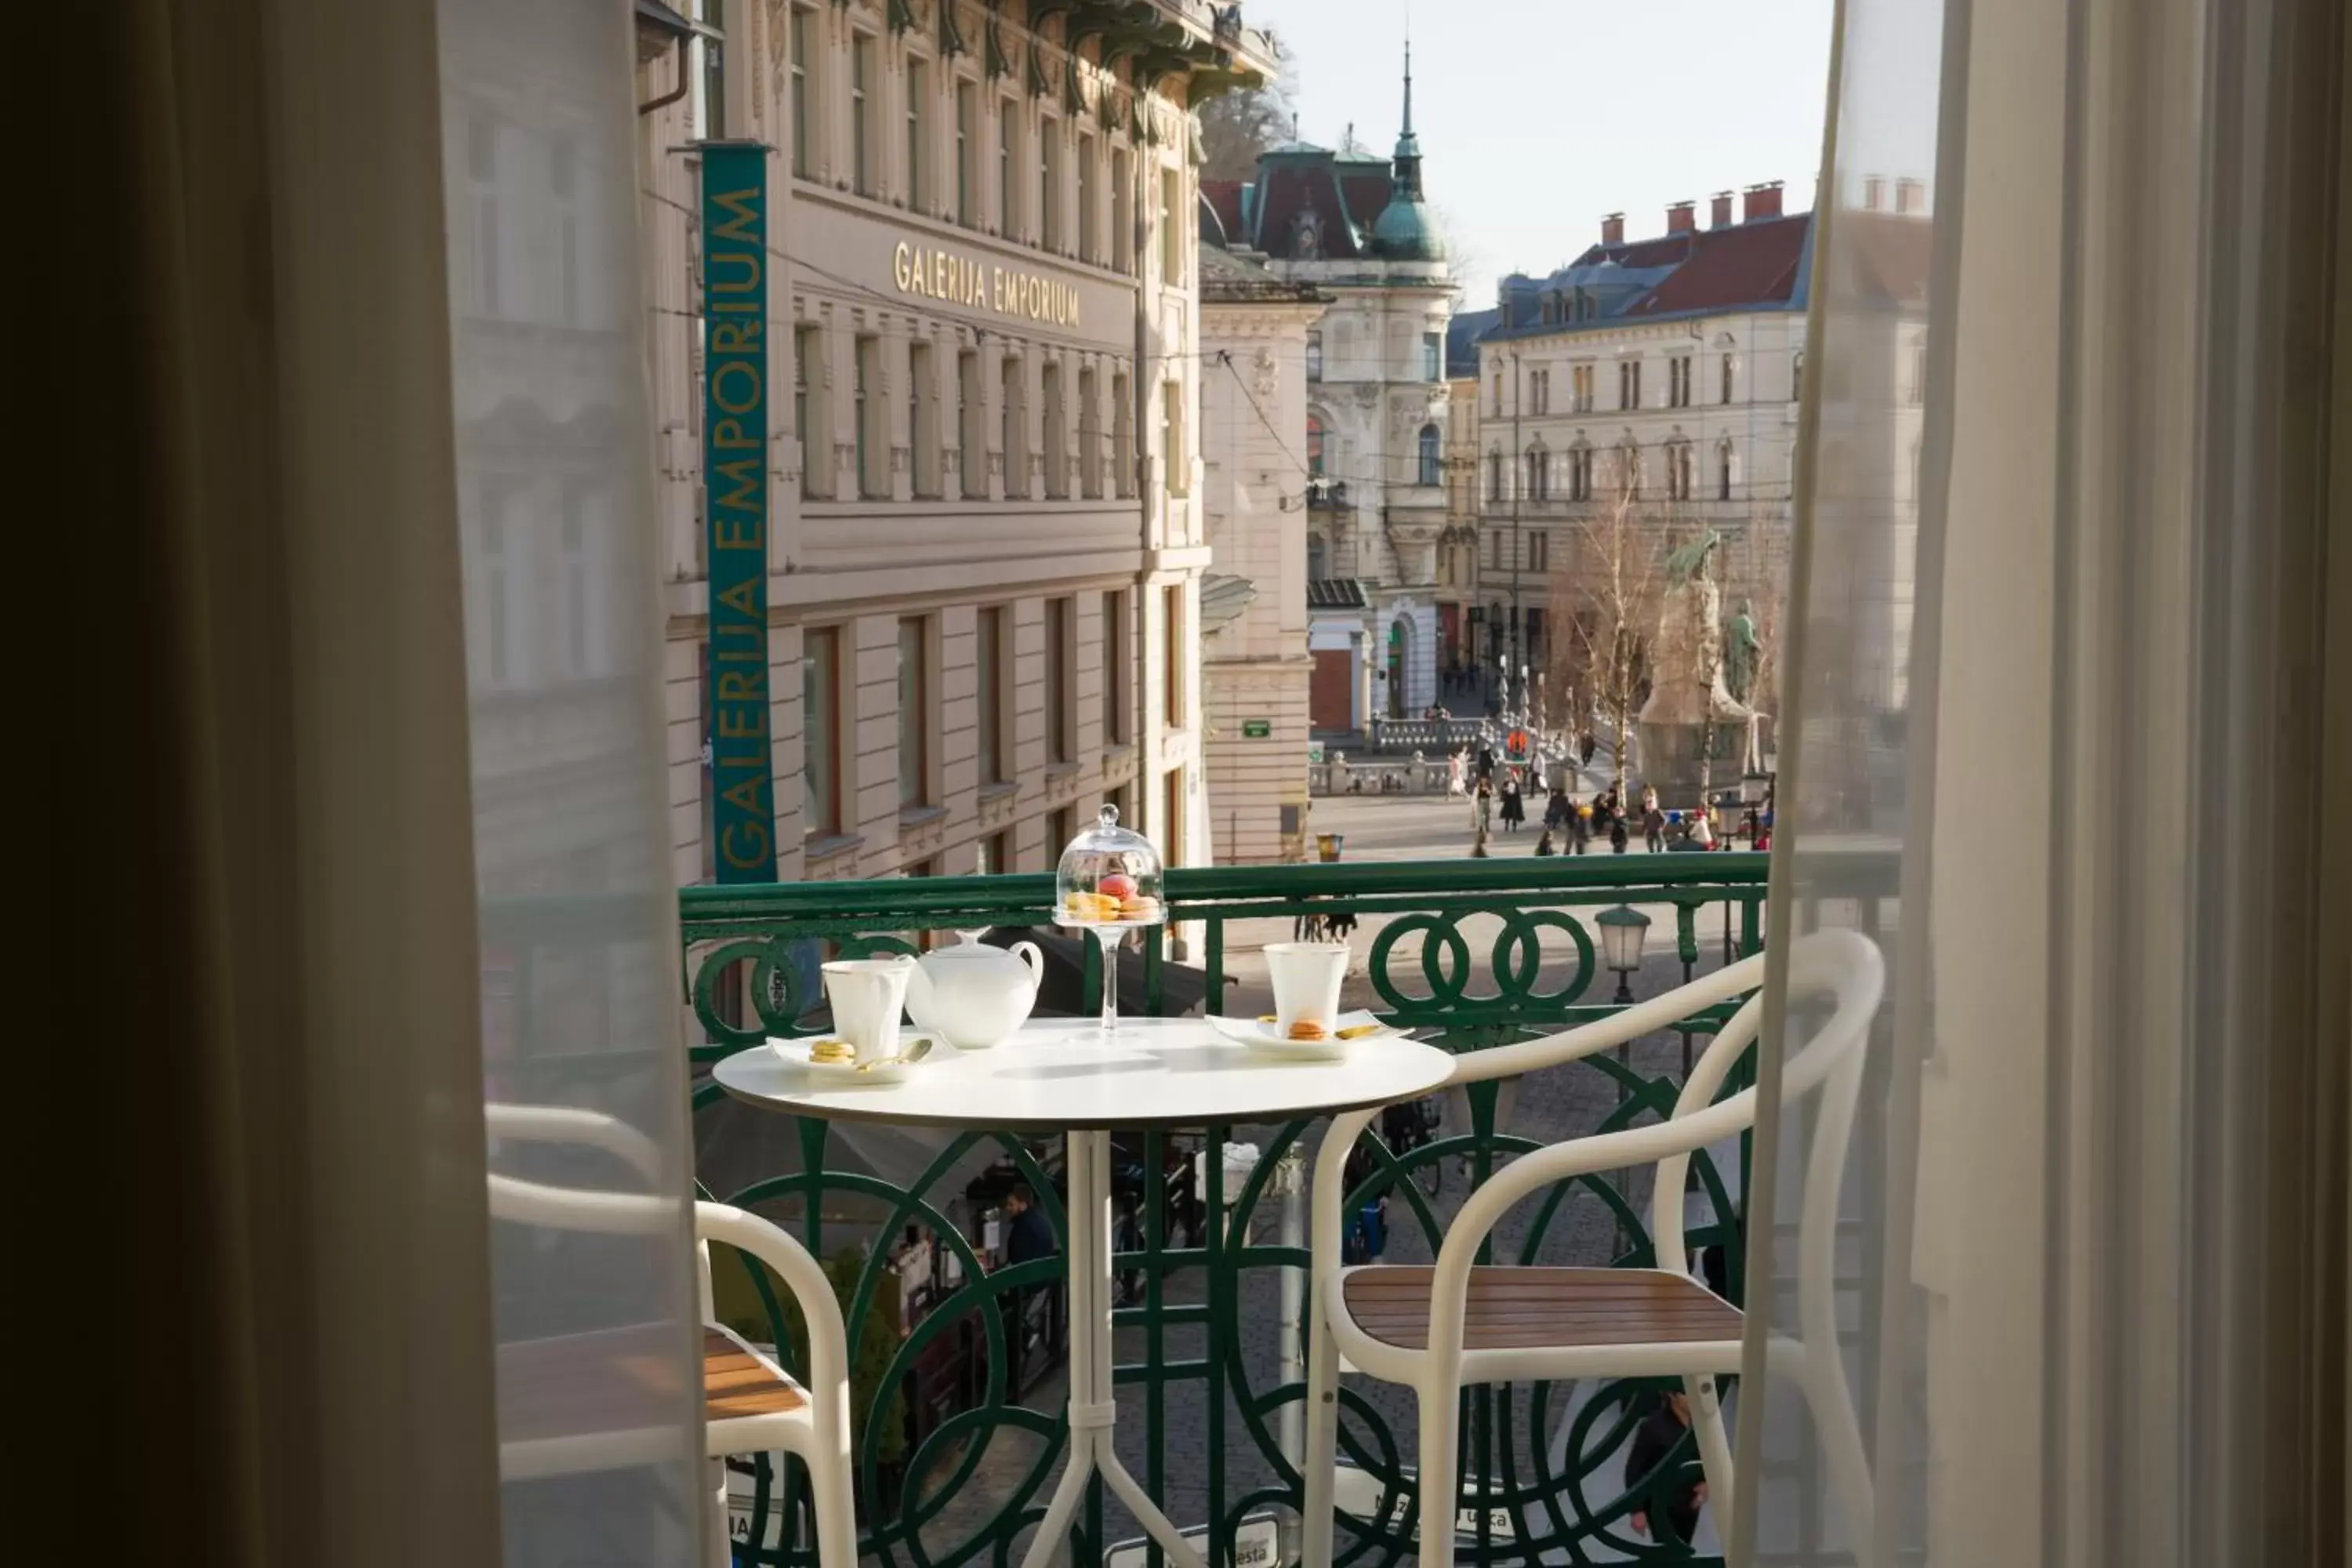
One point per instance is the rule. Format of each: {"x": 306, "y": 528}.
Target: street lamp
{"x": 1755, "y": 789}
{"x": 1623, "y": 930}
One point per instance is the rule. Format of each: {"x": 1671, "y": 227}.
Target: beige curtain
{"x": 2071, "y": 573}
{"x": 298, "y": 887}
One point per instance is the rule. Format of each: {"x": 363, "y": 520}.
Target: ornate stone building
{"x": 1256, "y": 670}
{"x": 988, "y": 540}
{"x": 1357, "y": 228}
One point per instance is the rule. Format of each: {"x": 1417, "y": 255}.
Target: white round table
{"x": 1061, "y": 1075}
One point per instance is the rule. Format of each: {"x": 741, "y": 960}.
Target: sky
{"x": 1538, "y": 116}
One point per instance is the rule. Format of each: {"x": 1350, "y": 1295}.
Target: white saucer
{"x": 795, "y": 1054}
{"x": 1259, "y": 1036}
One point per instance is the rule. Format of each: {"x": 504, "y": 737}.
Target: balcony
{"x": 958, "y": 1377}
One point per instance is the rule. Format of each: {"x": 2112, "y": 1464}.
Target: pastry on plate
{"x": 1308, "y": 1029}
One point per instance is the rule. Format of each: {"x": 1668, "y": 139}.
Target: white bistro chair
{"x": 751, "y": 1406}
{"x": 1438, "y": 1329}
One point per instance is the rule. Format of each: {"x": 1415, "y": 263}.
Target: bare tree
{"x": 1236, "y": 127}
{"x": 1605, "y": 589}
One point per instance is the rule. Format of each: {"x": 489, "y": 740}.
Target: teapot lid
{"x": 968, "y": 943}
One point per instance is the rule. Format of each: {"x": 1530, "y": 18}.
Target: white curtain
{"x": 2057, "y": 706}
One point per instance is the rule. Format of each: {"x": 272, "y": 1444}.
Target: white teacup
{"x": 867, "y": 995}
{"x": 1306, "y": 978}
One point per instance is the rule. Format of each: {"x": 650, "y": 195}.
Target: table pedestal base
{"x": 1093, "y": 1411}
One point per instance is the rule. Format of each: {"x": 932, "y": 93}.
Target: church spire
{"x": 1408, "y": 145}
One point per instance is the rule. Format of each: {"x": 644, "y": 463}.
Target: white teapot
{"x": 972, "y": 996}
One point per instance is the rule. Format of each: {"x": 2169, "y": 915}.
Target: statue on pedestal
{"x": 1693, "y": 721}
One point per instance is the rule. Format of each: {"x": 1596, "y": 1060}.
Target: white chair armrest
{"x": 828, "y": 1340}
{"x": 1588, "y": 1040}
{"x": 570, "y": 1124}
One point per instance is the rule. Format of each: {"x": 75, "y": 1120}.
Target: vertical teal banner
{"x": 735, "y": 507}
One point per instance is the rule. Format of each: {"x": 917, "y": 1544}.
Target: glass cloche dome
{"x": 1109, "y": 876}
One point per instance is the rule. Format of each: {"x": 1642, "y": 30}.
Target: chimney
{"x": 1762, "y": 202}
{"x": 1910, "y": 197}
{"x": 1612, "y": 229}
{"x": 1719, "y": 214}
{"x": 1683, "y": 218}
{"x": 1874, "y": 192}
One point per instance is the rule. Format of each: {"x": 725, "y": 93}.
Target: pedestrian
{"x": 1676, "y": 1518}
{"x": 1618, "y": 838}
{"x": 1515, "y": 807}
{"x": 1543, "y": 843}
{"x": 1558, "y": 808}
{"x": 1702, "y": 831}
{"x": 1481, "y": 809}
{"x": 1579, "y": 824}
{"x": 1653, "y": 821}
{"x": 1586, "y": 747}
{"x": 1485, "y": 761}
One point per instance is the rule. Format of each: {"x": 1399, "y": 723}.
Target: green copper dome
{"x": 1405, "y": 232}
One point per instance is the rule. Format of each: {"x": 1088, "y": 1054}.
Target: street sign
{"x": 1255, "y": 1546}
{"x": 1257, "y": 729}
{"x": 1358, "y": 1492}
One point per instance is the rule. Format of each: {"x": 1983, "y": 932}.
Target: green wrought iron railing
{"x": 1473, "y": 954}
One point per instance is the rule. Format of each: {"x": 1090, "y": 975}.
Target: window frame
{"x": 915, "y": 720}
{"x": 821, "y": 815}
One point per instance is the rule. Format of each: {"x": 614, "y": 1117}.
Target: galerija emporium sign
{"x": 735, "y": 509}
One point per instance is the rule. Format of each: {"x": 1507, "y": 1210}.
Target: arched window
{"x": 1315, "y": 445}
{"x": 1730, "y": 371}
{"x": 1539, "y": 474}
{"x": 1315, "y": 355}
{"x": 1579, "y": 472}
{"x": 1432, "y": 457}
{"x": 1723, "y": 470}
{"x": 1629, "y": 468}
{"x": 1494, "y": 474}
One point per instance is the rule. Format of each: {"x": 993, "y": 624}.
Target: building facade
{"x": 1256, "y": 670}
{"x": 1661, "y": 380}
{"x": 1357, "y": 228}
{"x": 987, "y": 538}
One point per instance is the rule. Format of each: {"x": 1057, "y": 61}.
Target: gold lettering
{"x": 735, "y": 337}
{"x": 938, "y": 271}
{"x": 746, "y": 263}
{"x": 743, "y": 473}
{"x": 737, "y": 378}
{"x": 750, "y": 795}
{"x": 742, "y": 724}
{"x": 728, "y": 433}
{"x": 898, "y": 271}
{"x": 756, "y": 833}
{"x": 744, "y": 224}
{"x": 737, "y": 533}
{"x": 741, "y": 597}
{"x": 740, "y": 686}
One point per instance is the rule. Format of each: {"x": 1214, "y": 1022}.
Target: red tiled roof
{"x": 1746, "y": 263}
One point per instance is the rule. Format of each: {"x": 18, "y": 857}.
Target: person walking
{"x": 1515, "y": 807}
{"x": 1585, "y": 747}
{"x": 1618, "y": 836}
{"x": 1486, "y": 763}
{"x": 1657, "y": 1436}
{"x": 1702, "y": 831}
{"x": 1558, "y": 808}
{"x": 1653, "y": 821}
{"x": 1579, "y": 826}
{"x": 1481, "y": 809}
